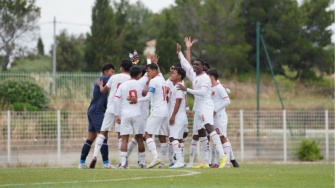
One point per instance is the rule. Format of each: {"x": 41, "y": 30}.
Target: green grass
{"x": 256, "y": 175}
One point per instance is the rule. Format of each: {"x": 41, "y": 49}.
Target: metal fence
{"x": 68, "y": 85}
{"x": 56, "y": 137}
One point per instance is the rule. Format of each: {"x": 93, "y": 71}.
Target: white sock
{"x": 142, "y": 158}
{"x": 204, "y": 149}
{"x": 170, "y": 153}
{"x": 99, "y": 142}
{"x": 213, "y": 154}
{"x": 131, "y": 145}
{"x": 119, "y": 147}
{"x": 231, "y": 154}
{"x": 152, "y": 147}
{"x": 216, "y": 140}
{"x": 123, "y": 158}
{"x": 163, "y": 150}
{"x": 227, "y": 150}
{"x": 177, "y": 151}
{"x": 182, "y": 150}
{"x": 193, "y": 149}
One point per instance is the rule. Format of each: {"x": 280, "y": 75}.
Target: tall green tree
{"x": 18, "y": 18}
{"x": 100, "y": 43}
{"x": 166, "y": 42}
{"x": 70, "y": 52}
{"x": 40, "y": 47}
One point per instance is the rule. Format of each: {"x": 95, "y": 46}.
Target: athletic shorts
{"x": 95, "y": 122}
{"x": 108, "y": 122}
{"x": 220, "y": 124}
{"x": 205, "y": 116}
{"x": 176, "y": 130}
{"x": 157, "y": 125}
{"x": 131, "y": 125}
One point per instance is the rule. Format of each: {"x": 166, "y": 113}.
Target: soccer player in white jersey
{"x": 157, "y": 122}
{"x": 203, "y": 106}
{"x": 130, "y": 115}
{"x": 221, "y": 101}
{"x": 109, "y": 117}
{"x": 177, "y": 114}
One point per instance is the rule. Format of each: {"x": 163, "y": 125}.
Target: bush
{"x": 20, "y": 106}
{"x": 23, "y": 91}
{"x": 309, "y": 151}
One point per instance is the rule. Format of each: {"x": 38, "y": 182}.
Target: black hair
{"x": 107, "y": 66}
{"x": 126, "y": 64}
{"x": 207, "y": 65}
{"x": 200, "y": 60}
{"x": 152, "y": 66}
{"x": 134, "y": 71}
{"x": 143, "y": 71}
{"x": 181, "y": 72}
{"x": 213, "y": 72}
{"x": 177, "y": 65}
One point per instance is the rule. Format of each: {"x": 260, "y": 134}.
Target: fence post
{"x": 327, "y": 134}
{"x": 58, "y": 137}
{"x": 241, "y": 135}
{"x": 284, "y": 121}
{"x": 8, "y": 137}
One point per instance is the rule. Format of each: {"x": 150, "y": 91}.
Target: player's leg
{"x": 152, "y": 128}
{"x": 163, "y": 134}
{"x": 176, "y": 134}
{"x": 86, "y": 149}
{"x": 138, "y": 128}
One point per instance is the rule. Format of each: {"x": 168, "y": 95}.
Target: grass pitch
{"x": 256, "y": 175}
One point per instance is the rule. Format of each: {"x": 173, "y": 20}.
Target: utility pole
{"x": 54, "y": 59}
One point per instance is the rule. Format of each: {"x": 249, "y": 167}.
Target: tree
{"x": 40, "y": 47}
{"x": 100, "y": 43}
{"x": 18, "y": 18}
{"x": 69, "y": 52}
{"x": 166, "y": 43}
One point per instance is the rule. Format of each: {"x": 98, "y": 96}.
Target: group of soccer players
{"x": 134, "y": 91}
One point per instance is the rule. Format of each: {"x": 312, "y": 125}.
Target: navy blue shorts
{"x": 95, "y": 122}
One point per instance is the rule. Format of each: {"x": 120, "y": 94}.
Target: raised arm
{"x": 188, "y": 44}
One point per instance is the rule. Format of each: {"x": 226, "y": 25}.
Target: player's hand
{"x": 172, "y": 120}
{"x": 155, "y": 58}
{"x": 117, "y": 119}
{"x": 189, "y": 43}
{"x": 181, "y": 87}
{"x": 132, "y": 99}
{"x": 178, "y": 48}
{"x": 100, "y": 83}
{"x": 190, "y": 114}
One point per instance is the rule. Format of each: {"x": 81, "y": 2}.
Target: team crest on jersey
{"x": 213, "y": 93}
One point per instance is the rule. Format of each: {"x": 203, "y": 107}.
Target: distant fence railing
{"x": 68, "y": 85}
{"x": 56, "y": 137}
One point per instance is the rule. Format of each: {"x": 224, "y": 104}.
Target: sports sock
{"x": 152, "y": 147}
{"x": 216, "y": 140}
{"x": 193, "y": 149}
{"x": 99, "y": 142}
{"x": 142, "y": 158}
{"x": 170, "y": 153}
{"x": 227, "y": 150}
{"x": 85, "y": 150}
{"x": 123, "y": 158}
{"x": 204, "y": 149}
{"x": 131, "y": 145}
{"x": 163, "y": 151}
{"x": 182, "y": 151}
{"x": 177, "y": 151}
{"x": 104, "y": 150}
{"x": 119, "y": 148}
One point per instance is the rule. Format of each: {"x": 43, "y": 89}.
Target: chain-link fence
{"x": 56, "y": 137}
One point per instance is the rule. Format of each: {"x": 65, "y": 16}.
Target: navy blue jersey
{"x": 99, "y": 100}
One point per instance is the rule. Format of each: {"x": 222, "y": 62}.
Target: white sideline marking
{"x": 188, "y": 173}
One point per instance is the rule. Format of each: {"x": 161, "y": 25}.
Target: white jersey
{"x": 175, "y": 93}
{"x": 219, "y": 97}
{"x": 199, "y": 82}
{"x": 113, "y": 83}
{"x": 158, "y": 103}
{"x": 128, "y": 109}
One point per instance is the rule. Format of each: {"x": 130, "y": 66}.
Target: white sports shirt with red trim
{"x": 113, "y": 83}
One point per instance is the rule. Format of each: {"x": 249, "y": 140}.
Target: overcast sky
{"x": 75, "y": 16}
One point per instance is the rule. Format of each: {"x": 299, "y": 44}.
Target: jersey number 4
{"x": 133, "y": 93}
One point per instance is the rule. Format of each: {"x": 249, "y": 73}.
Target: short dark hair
{"x": 107, "y": 66}
{"x": 134, "y": 71}
{"x": 126, "y": 64}
{"x": 207, "y": 65}
{"x": 200, "y": 60}
{"x": 181, "y": 72}
{"x": 143, "y": 71}
{"x": 177, "y": 65}
{"x": 213, "y": 72}
{"x": 152, "y": 66}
